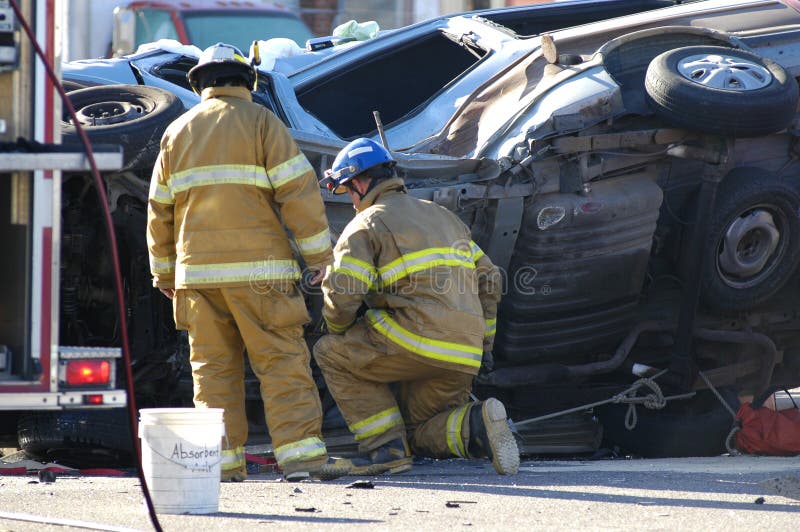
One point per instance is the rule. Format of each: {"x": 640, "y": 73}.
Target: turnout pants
{"x": 431, "y": 407}
{"x": 222, "y": 323}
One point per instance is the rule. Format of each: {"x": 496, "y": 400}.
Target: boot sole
{"x": 330, "y": 472}
{"x": 391, "y": 468}
{"x": 326, "y": 472}
{"x": 505, "y": 452}
{"x": 233, "y": 476}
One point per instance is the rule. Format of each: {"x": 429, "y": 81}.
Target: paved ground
{"x": 673, "y": 494}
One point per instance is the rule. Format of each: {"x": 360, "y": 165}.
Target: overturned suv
{"x": 636, "y": 179}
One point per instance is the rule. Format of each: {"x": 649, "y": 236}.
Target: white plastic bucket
{"x": 181, "y": 458}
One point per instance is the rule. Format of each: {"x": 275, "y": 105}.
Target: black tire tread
{"x": 139, "y": 138}
{"x": 750, "y": 186}
{"x": 692, "y": 106}
{"x": 46, "y": 434}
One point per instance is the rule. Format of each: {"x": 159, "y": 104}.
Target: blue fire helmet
{"x": 355, "y": 158}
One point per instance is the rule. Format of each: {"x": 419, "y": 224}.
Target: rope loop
{"x": 651, "y": 401}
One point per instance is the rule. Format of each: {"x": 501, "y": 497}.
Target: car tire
{"x": 77, "y": 438}
{"x": 70, "y": 86}
{"x": 753, "y": 246}
{"x": 132, "y": 116}
{"x": 694, "y": 88}
{"x": 693, "y": 427}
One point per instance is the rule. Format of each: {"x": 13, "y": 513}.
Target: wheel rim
{"x": 720, "y": 71}
{"x": 107, "y": 113}
{"x": 751, "y": 247}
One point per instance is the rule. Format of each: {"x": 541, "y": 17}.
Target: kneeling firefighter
{"x": 432, "y": 299}
{"x": 228, "y": 177}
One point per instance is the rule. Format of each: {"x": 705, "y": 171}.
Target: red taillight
{"x": 88, "y": 372}
{"x": 93, "y": 399}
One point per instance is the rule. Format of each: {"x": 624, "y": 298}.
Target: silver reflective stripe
{"x": 337, "y": 328}
{"x": 454, "y": 440}
{"x": 315, "y": 244}
{"x": 477, "y": 252}
{"x": 266, "y": 270}
{"x": 422, "y": 260}
{"x": 161, "y": 194}
{"x": 232, "y": 458}
{"x": 356, "y": 268}
{"x": 377, "y": 424}
{"x": 427, "y": 347}
{"x": 226, "y": 174}
{"x": 491, "y": 327}
{"x": 300, "y": 450}
{"x": 162, "y": 264}
{"x": 289, "y": 170}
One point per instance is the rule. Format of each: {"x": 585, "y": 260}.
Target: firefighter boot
{"x": 392, "y": 457}
{"x": 237, "y": 474}
{"x": 328, "y": 470}
{"x": 490, "y": 436}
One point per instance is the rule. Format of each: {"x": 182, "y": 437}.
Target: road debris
{"x": 760, "y": 500}
{"x": 361, "y": 485}
{"x": 783, "y": 486}
{"x": 47, "y": 476}
{"x": 310, "y": 509}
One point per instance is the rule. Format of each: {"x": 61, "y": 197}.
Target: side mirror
{"x": 123, "y": 39}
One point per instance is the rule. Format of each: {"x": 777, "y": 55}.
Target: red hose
{"x": 112, "y": 239}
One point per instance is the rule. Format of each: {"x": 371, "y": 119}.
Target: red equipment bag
{"x": 765, "y": 431}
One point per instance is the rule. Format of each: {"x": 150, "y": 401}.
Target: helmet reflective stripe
{"x": 359, "y": 151}
{"x": 221, "y": 52}
{"x": 220, "y": 60}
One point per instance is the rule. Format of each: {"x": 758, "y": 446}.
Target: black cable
{"x": 112, "y": 239}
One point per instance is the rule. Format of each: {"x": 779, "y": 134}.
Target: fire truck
{"x": 38, "y": 374}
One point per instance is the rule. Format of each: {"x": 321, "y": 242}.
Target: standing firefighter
{"x": 432, "y": 296}
{"x": 227, "y": 178}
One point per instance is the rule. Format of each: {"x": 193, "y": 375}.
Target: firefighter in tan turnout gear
{"x": 227, "y": 177}
{"x": 432, "y": 299}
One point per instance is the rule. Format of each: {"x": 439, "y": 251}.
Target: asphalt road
{"x": 722, "y": 493}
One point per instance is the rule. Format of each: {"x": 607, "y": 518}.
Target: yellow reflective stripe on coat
{"x": 377, "y": 424}
{"x": 477, "y": 252}
{"x": 223, "y": 174}
{"x": 357, "y": 269}
{"x": 454, "y": 440}
{"x": 232, "y": 458}
{"x": 491, "y": 327}
{"x": 161, "y": 193}
{"x": 427, "y": 347}
{"x": 337, "y": 328}
{"x": 263, "y": 270}
{"x": 316, "y": 243}
{"x": 422, "y": 260}
{"x": 300, "y": 450}
{"x": 289, "y": 170}
{"x": 161, "y": 265}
